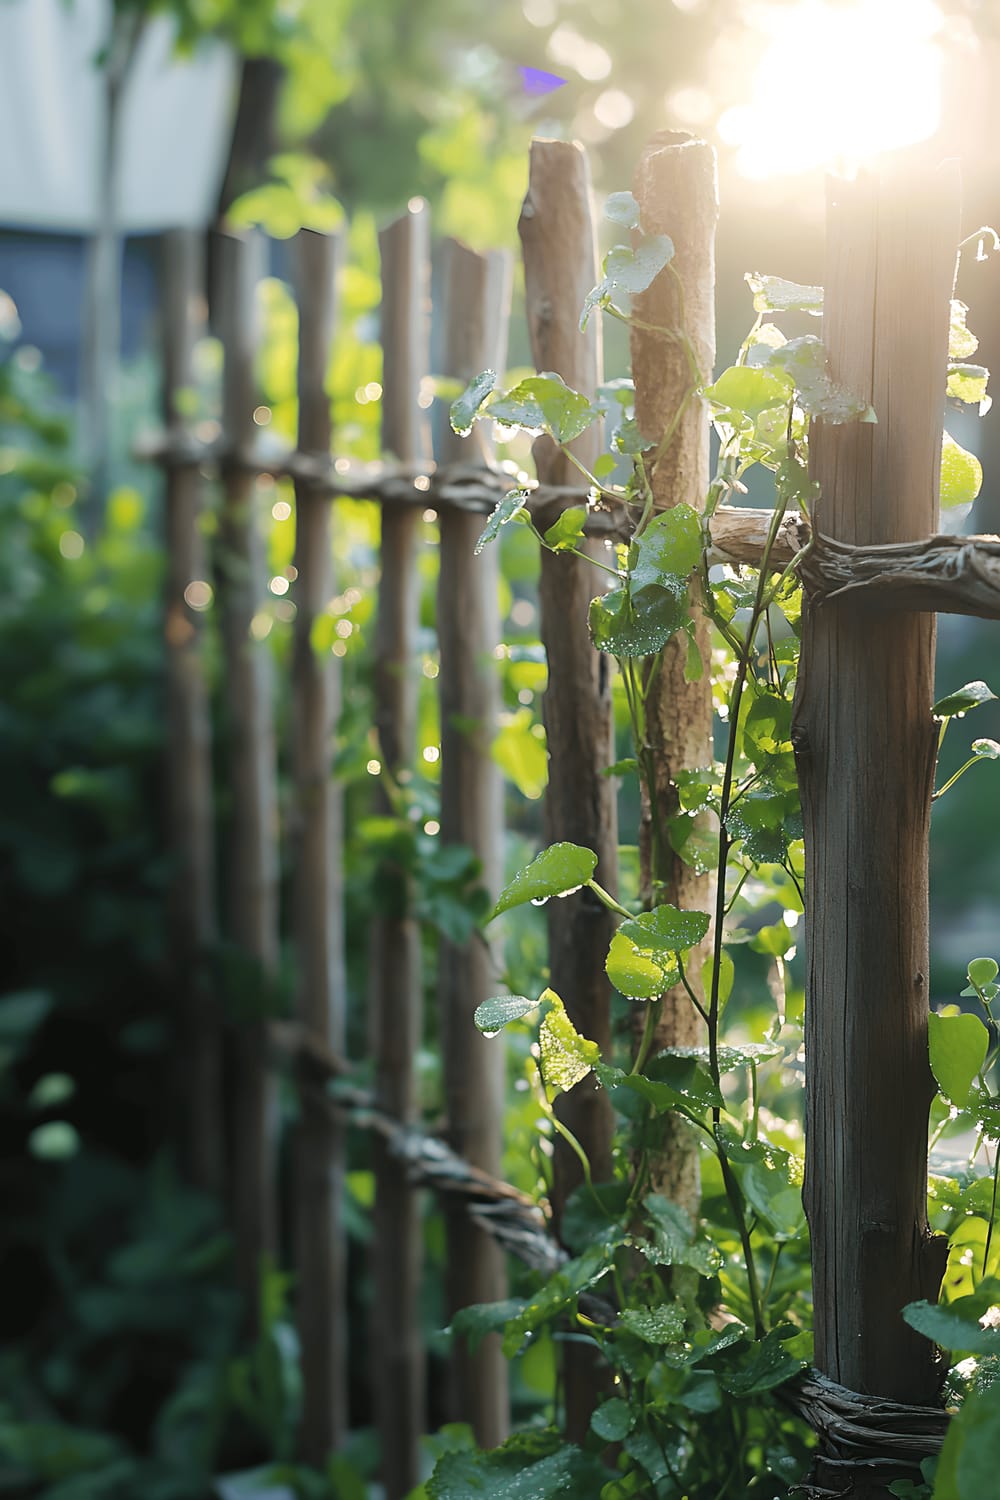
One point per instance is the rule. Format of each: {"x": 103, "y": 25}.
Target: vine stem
{"x": 742, "y": 671}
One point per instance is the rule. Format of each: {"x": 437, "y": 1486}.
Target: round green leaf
{"x": 557, "y": 871}
{"x": 963, "y": 699}
{"x": 958, "y": 1046}
{"x": 613, "y": 1421}
{"x": 633, "y": 972}
{"x": 983, "y": 971}
{"x": 750, "y": 389}
{"x": 961, "y": 474}
{"x": 666, "y": 930}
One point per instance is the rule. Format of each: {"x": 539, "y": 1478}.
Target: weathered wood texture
{"x": 865, "y": 745}
{"x": 318, "y": 1144}
{"x": 477, "y": 296}
{"x": 197, "y": 1060}
{"x": 395, "y": 984}
{"x": 675, "y": 187}
{"x": 560, "y": 267}
{"x": 251, "y": 824}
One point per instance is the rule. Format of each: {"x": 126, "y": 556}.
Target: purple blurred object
{"x": 537, "y": 82}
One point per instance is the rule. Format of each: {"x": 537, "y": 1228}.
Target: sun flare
{"x": 838, "y": 83}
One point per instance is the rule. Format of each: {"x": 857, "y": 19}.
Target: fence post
{"x": 560, "y": 267}
{"x": 468, "y": 623}
{"x": 318, "y": 1143}
{"x": 865, "y": 746}
{"x": 675, "y": 187}
{"x": 396, "y": 1010}
{"x": 251, "y": 863}
{"x": 197, "y": 1093}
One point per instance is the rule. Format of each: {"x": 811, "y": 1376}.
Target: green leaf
{"x": 568, "y": 530}
{"x": 986, "y": 749}
{"x": 958, "y": 1047}
{"x": 961, "y": 475}
{"x": 566, "y": 1056}
{"x": 776, "y": 1200}
{"x": 968, "y": 383}
{"x": 520, "y": 753}
{"x": 983, "y": 971}
{"x": 672, "y": 1238}
{"x": 729, "y": 1058}
{"x": 529, "y": 1466}
{"x": 955, "y": 1327}
{"x": 666, "y": 930}
{"x": 669, "y": 549}
{"x": 663, "y": 1324}
{"x": 509, "y": 506}
{"x": 633, "y": 972}
{"x": 492, "y": 1016}
{"x": 556, "y": 871}
{"x": 545, "y": 403}
{"x": 804, "y": 362}
{"x": 771, "y": 1362}
{"x": 613, "y": 1420}
{"x": 604, "y": 465}
{"x": 758, "y": 820}
{"x": 558, "y": 1293}
{"x": 481, "y": 1318}
{"x": 627, "y": 767}
{"x": 464, "y": 408}
{"x": 960, "y": 702}
{"x": 768, "y": 724}
{"x": 624, "y": 629}
{"x": 682, "y": 1071}
{"x": 774, "y": 294}
{"x": 750, "y": 389}
{"x": 632, "y": 269}
{"x": 961, "y": 342}
{"x": 621, "y": 208}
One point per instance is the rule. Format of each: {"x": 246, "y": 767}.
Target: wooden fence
{"x": 228, "y": 1064}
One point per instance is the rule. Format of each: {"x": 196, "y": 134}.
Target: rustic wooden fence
{"x": 230, "y": 1064}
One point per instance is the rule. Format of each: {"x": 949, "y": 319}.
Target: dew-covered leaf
{"x": 632, "y": 971}
{"x": 613, "y": 1420}
{"x": 556, "y": 871}
{"x": 963, "y": 699}
{"x": 566, "y": 1056}
{"x": 962, "y": 342}
{"x": 778, "y": 1357}
{"x": 958, "y": 1047}
{"x": 750, "y": 389}
{"x": 509, "y": 506}
{"x": 464, "y": 408}
{"x": 663, "y": 1324}
{"x": 961, "y": 475}
{"x": 529, "y": 1466}
{"x": 493, "y": 1014}
{"x": 775, "y": 294}
{"x": 954, "y": 1327}
{"x": 986, "y": 749}
{"x": 623, "y": 627}
{"x": 545, "y": 403}
{"x": 666, "y": 930}
{"x": 968, "y": 383}
{"x": 630, "y": 269}
{"x": 804, "y": 361}
{"x": 667, "y": 551}
{"x": 621, "y": 208}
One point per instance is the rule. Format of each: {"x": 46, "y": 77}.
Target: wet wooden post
{"x": 865, "y": 745}
{"x": 675, "y": 187}
{"x": 197, "y": 1090}
{"x": 560, "y": 267}
{"x": 251, "y": 829}
{"x": 396, "y": 1010}
{"x": 475, "y": 338}
{"x": 318, "y": 1143}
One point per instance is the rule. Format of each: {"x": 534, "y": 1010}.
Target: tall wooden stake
{"x": 396, "y": 1008}
{"x": 478, "y": 289}
{"x": 251, "y": 838}
{"x": 865, "y": 745}
{"x": 560, "y": 267}
{"x": 318, "y": 1144}
{"x": 675, "y": 186}
{"x": 197, "y": 1090}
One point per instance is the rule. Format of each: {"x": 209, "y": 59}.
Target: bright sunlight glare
{"x": 837, "y": 84}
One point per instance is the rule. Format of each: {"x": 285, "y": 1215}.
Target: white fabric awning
{"x": 177, "y": 116}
